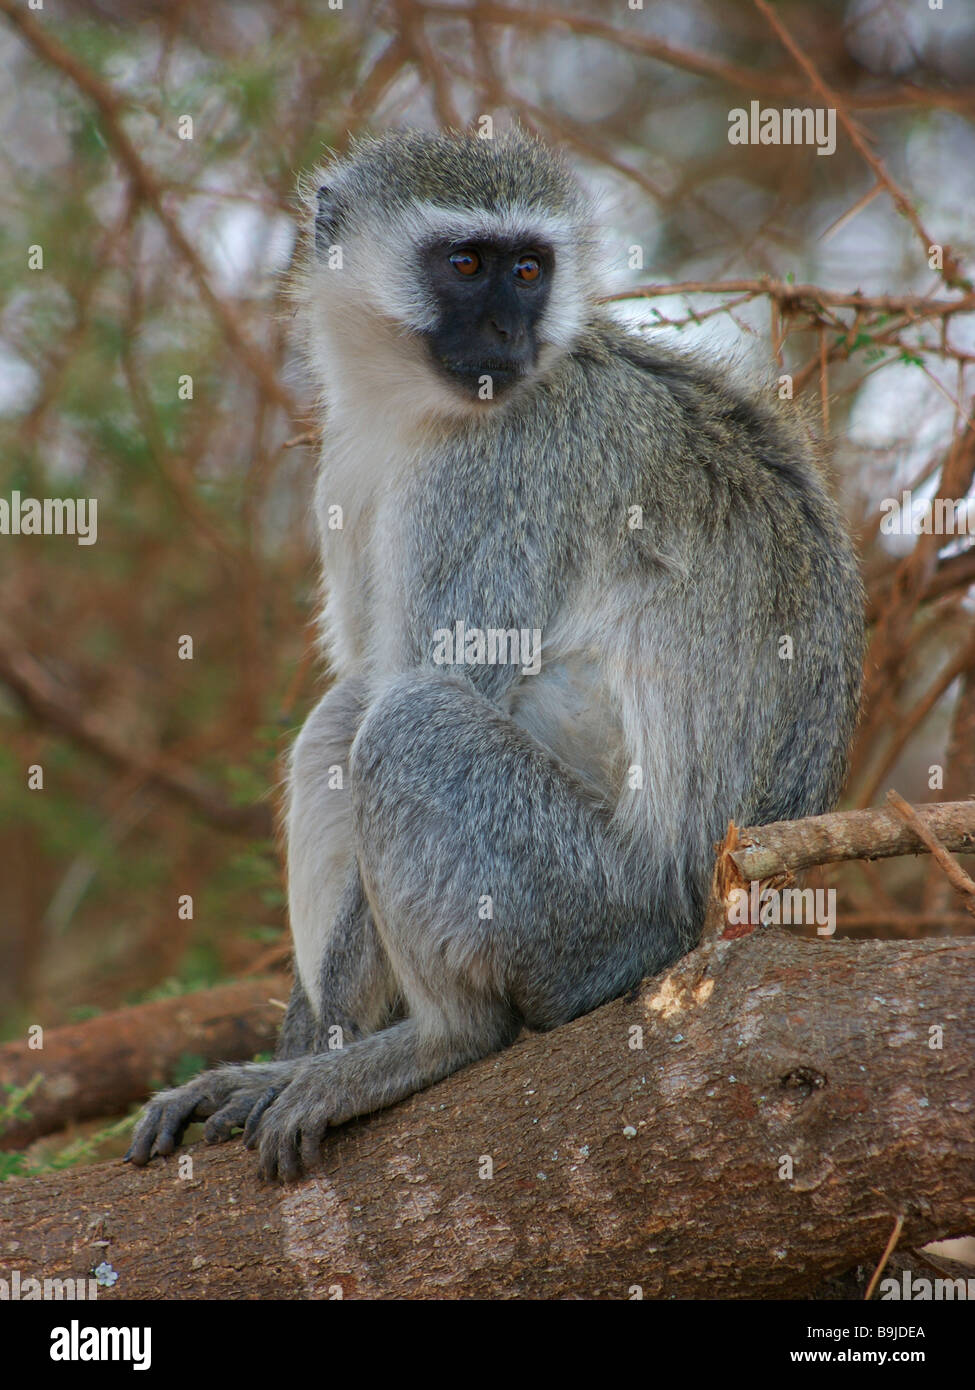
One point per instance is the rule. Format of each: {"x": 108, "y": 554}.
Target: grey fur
{"x": 477, "y": 784}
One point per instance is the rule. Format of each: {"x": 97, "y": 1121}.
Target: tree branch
{"x": 754, "y": 80}
{"x": 786, "y": 1105}
{"x": 951, "y": 266}
{"x": 790, "y": 845}
{"x": 99, "y": 1067}
{"x": 956, "y": 875}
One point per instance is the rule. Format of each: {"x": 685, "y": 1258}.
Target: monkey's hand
{"x": 225, "y": 1098}
{"x": 289, "y": 1127}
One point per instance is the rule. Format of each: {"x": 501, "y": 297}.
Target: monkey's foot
{"x": 289, "y": 1126}
{"x": 225, "y": 1098}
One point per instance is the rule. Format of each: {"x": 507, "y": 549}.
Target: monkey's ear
{"x": 326, "y": 220}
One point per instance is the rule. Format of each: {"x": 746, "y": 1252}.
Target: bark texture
{"x": 664, "y": 1165}
{"x": 101, "y": 1066}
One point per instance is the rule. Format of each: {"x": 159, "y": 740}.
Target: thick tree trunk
{"x": 101, "y": 1066}
{"x": 789, "y": 1100}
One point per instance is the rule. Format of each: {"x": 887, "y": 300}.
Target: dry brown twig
{"x": 954, "y": 872}
{"x": 755, "y": 80}
{"x": 951, "y": 266}
{"x": 895, "y": 1236}
{"x": 55, "y": 707}
{"x": 110, "y": 108}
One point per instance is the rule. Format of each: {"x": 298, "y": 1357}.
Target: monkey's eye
{"x": 528, "y": 268}
{"x": 466, "y": 262}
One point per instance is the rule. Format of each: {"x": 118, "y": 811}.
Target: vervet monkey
{"x": 587, "y": 601}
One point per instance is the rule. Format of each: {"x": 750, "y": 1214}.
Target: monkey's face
{"x": 445, "y": 273}
{"x": 489, "y": 298}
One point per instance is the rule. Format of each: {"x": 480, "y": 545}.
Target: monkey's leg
{"x": 368, "y": 1075}
{"x": 498, "y": 890}
{"x": 300, "y": 1026}
{"x": 228, "y": 1096}
{"x": 346, "y": 971}
{"x": 356, "y": 993}
{"x": 343, "y": 975}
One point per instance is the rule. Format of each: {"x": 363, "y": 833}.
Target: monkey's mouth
{"x": 486, "y": 378}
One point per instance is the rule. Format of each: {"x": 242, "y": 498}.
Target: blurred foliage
{"x": 94, "y": 1143}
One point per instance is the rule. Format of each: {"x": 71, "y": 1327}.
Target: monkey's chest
{"x": 569, "y": 710}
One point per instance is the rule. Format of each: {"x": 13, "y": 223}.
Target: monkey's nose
{"x": 510, "y": 332}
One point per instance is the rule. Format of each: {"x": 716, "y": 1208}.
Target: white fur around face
{"x": 363, "y": 320}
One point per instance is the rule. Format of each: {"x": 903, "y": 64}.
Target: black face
{"x": 491, "y": 297}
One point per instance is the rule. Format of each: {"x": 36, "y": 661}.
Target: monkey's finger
{"x": 179, "y": 1112}
{"x": 254, "y": 1118}
{"x": 267, "y": 1163}
{"x": 140, "y": 1150}
{"x": 311, "y": 1146}
{"x": 290, "y": 1167}
{"x": 267, "y": 1168}
{"x": 232, "y": 1116}
{"x": 171, "y": 1130}
{"x": 280, "y": 1160}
